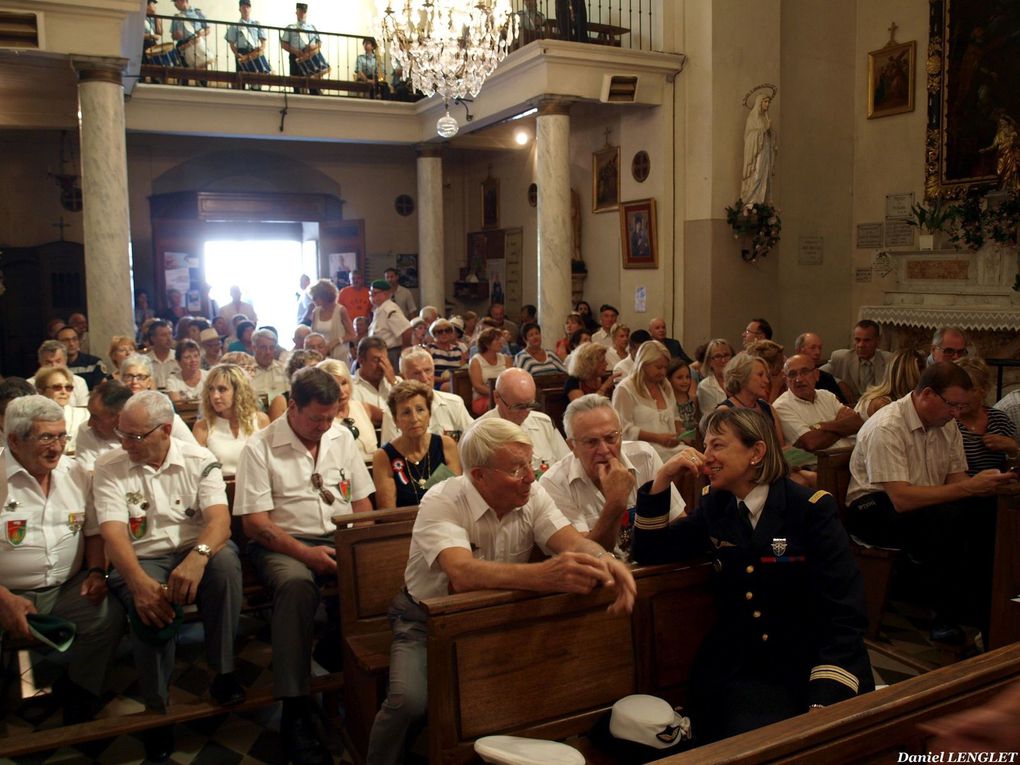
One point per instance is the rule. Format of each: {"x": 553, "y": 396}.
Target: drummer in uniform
{"x": 296, "y": 39}
{"x": 189, "y": 29}
{"x": 153, "y": 26}
{"x": 247, "y": 38}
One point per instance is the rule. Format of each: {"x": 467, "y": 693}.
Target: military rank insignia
{"x": 16, "y": 531}
{"x": 779, "y": 546}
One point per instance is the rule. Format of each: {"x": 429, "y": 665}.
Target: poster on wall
{"x": 340, "y": 266}
{"x": 407, "y": 269}
{"x": 497, "y": 280}
{"x": 177, "y": 273}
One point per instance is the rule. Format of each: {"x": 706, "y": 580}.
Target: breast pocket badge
{"x": 137, "y": 526}
{"x": 16, "y": 531}
{"x": 779, "y": 546}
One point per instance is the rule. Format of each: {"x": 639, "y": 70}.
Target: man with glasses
{"x": 515, "y": 402}
{"x": 89, "y": 368}
{"x": 756, "y": 329}
{"x": 292, "y": 478}
{"x": 863, "y": 365}
{"x": 813, "y": 419}
{"x": 212, "y": 348}
{"x": 596, "y": 485}
{"x": 162, "y": 509}
{"x": 160, "y": 339}
{"x": 909, "y": 489}
{"x": 53, "y": 561}
{"x": 810, "y": 344}
{"x": 270, "y": 377}
{"x": 947, "y": 344}
{"x": 475, "y": 532}
{"x": 450, "y": 416}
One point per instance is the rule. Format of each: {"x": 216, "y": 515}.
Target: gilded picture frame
{"x": 605, "y": 179}
{"x": 891, "y": 79}
{"x": 639, "y": 234}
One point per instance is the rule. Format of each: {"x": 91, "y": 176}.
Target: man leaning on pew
{"x": 476, "y": 532}
{"x": 292, "y": 478}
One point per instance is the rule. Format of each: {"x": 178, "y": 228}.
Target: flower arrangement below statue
{"x": 760, "y": 223}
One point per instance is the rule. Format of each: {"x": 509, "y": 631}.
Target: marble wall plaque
{"x": 869, "y": 236}
{"x": 898, "y": 234}
{"x": 897, "y": 206}
{"x": 862, "y": 275}
{"x": 938, "y": 270}
{"x": 810, "y": 250}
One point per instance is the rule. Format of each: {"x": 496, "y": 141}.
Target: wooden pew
{"x": 1005, "y": 621}
{"x": 370, "y": 572}
{"x": 461, "y": 385}
{"x": 876, "y": 727}
{"x": 553, "y": 401}
{"x": 188, "y": 410}
{"x": 548, "y": 666}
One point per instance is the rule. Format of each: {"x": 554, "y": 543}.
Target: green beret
{"x": 380, "y": 284}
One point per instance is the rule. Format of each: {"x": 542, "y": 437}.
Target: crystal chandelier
{"x": 448, "y": 47}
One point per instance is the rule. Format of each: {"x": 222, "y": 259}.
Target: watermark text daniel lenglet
{"x": 959, "y": 757}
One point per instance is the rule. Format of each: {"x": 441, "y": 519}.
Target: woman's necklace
{"x": 418, "y": 476}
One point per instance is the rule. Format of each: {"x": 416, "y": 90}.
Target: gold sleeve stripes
{"x": 837, "y": 674}
{"x": 656, "y": 522}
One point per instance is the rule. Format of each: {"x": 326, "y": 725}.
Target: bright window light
{"x": 267, "y": 272}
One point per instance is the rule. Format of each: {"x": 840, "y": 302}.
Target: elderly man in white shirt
{"x": 292, "y": 478}
{"x": 476, "y": 532}
{"x": 160, "y": 337}
{"x": 270, "y": 376}
{"x": 515, "y": 401}
{"x": 389, "y": 323}
{"x": 162, "y": 510}
{"x": 813, "y": 419}
{"x": 98, "y": 435}
{"x": 596, "y": 485}
{"x": 449, "y": 415}
{"x": 375, "y": 377}
{"x": 53, "y": 560}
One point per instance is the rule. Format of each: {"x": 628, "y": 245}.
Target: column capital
{"x": 429, "y": 150}
{"x": 549, "y": 106}
{"x": 100, "y": 70}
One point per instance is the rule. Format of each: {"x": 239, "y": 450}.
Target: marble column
{"x": 552, "y": 138}
{"x": 431, "y": 264}
{"x": 105, "y": 202}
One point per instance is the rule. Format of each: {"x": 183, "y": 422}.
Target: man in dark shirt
{"x": 91, "y": 368}
{"x": 657, "y": 329}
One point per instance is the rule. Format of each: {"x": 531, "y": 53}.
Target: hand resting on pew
{"x": 991, "y": 727}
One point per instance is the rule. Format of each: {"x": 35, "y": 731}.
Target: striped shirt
{"x": 979, "y": 456}
{"x": 446, "y": 360}
{"x": 533, "y": 366}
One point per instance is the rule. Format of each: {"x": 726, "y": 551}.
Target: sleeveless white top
{"x": 225, "y": 446}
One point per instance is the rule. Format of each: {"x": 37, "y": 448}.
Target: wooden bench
{"x": 873, "y": 728}
{"x": 1005, "y": 616}
{"x": 188, "y": 411}
{"x": 370, "y": 571}
{"x": 548, "y": 666}
{"x": 460, "y": 384}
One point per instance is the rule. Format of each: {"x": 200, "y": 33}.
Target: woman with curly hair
{"x": 586, "y": 369}
{"x": 230, "y": 414}
{"x": 330, "y": 319}
{"x": 486, "y": 365}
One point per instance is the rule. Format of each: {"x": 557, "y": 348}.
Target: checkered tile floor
{"x": 253, "y": 737}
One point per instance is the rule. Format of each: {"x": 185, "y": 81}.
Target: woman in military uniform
{"x": 791, "y": 621}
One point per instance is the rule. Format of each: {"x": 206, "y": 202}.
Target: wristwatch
{"x": 205, "y": 550}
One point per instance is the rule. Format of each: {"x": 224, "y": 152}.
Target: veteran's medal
{"x": 779, "y": 546}
{"x": 75, "y": 521}
{"x": 344, "y": 486}
{"x": 16, "y": 531}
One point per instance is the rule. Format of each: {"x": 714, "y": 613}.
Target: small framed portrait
{"x": 605, "y": 179}
{"x": 891, "y": 79}
{"x": 638, "y": 234}
{"x": 490, "y": 203}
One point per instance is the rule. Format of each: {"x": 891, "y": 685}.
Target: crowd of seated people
{"x": 928, "y": 454}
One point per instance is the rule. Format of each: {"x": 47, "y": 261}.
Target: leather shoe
{"x": 226, "y": 691}
{"x": 300, "y": 737}
{"x": 159, "y": 743}
{"x": 950, "y": 634}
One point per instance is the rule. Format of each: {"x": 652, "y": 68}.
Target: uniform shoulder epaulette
{"x": 211, "y": 467}
{"x": 705, "y": 490}
{"x": 818, "y": 495}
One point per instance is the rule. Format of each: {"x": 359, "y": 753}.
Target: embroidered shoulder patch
{"x": 818, "y": 495}
{"x": 219, "y": 466}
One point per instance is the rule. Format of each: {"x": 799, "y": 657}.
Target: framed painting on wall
{"x": 605, "y": 179}
{"x": 637, "y": 234}
{"x": 490, "y": 203}
{"x": 891, "y": 79}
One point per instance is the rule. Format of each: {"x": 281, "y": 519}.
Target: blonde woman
{"x": 645, "y": 401}
{"x": 57, "y": 383}
{"x": 772, "y": 354}
{"x": 354, "y": 415}
{"x": 901, "y": 375}
{"x": 711, "y": 392}
{"x": 586, "y": 369}
{"x": 230, "y": 414}
{"x": 619, "y": 337}
{"x": 121, "y": 346}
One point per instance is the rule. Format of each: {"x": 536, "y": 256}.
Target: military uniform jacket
{"x": 791, "y": 598}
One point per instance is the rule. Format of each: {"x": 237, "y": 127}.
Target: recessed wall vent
{"x": 619, "y": 89}
{"x": 19, "y": 29}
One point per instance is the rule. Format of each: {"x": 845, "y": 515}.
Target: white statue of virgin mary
{"x": 759, "y": 155}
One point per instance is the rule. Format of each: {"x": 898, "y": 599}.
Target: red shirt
{"x": 356, "y": 301}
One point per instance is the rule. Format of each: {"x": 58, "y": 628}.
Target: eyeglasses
{"x": 47, "y": 439}
{"x": 443, "y": 331}
{"x": 348, "y": 423}
{"x": 795, "y": 374}
{"x": 720, "y": 356}
{"x": 953, "y": 352}
{"x": 324, "y": 494}
{"x": 524, "y": 406}
{"x": 955, "y": 406}
{"x": 68, "y": 388}
{"x": 517, "y": 474}
{"x": 752, "y": 333}
{"x": 134, "y": 437}
{"x": 592, "y": 442}
{"x": 135, "y": 378}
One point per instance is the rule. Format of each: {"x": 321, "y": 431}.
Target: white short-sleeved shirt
{"x": 91, "y": 445}
{"x": 710, "y": 393}
{"x": 894, "y": 445}
{"x": 272, "y": 381}
{"x": 41, "y": 536}
{"x": 175, "y": 384}
{"x": 274, "y": 475}
{"x": 366, "y": 393}
{"x": 162, "y": 370}
{"x": 624, "y": 367}
{"x": 453, "y": 514}
{"x": 576, "y": 495}
{"x": 1010, "y": 404}
{"x": 547, "y": 445}
{"x": 449, "y": 416}
{"x": 389, "y": 324}
{"x": 602, "y": 338}
{"x": 798, "y": 415}
{"x": 162, "y": 507}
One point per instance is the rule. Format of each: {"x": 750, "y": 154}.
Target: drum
{"x": 312, "y": 64}
{"x": 164, "y": 54}
{"x": 195, "y": 52}
{"x": 253, "y": 62}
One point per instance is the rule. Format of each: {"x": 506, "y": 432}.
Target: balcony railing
{"x": 330, "y": 68}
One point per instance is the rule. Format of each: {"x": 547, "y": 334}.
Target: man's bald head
{"x": 801, "y": 376}
{"x": 515, "y": 395}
